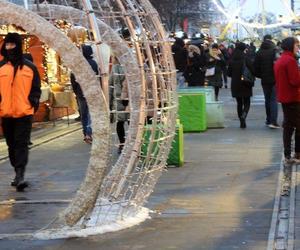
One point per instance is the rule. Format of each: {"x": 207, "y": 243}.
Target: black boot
{"x": 14, "y": 181}
{"x": 21, "y": 184}
{"x": 243, "y": 123}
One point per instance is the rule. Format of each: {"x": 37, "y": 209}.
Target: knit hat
{"x": 267, "y": 37}
{"x": 16, "y": 39}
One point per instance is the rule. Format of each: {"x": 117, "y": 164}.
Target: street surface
{"x": 222, "y": 198}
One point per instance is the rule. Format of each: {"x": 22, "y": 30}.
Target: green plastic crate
{"x": 192, "y": 111}
{"x": 209, "y": 92}
{"x": 176, "y": 156}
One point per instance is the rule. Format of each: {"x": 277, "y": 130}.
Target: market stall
{"x": 57, "y": 98}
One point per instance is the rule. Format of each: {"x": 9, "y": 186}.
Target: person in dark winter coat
{"x": 19, "y": 94}
{"x": 195, "y": 71}
{"x": 87, "y": 52}
{"x": 251, "y": 52}
{"x": 226, "y": 59}
{"x": 287, "y": 77}
{"x": 180, "y": 57}
{"x": 216, "y": 60}
{"x": 241, "y": 89}
{"x": 119, "y": 100}
{"x": 263, "y": 64}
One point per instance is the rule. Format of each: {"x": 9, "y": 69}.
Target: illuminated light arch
{"x": 123, "y": 190}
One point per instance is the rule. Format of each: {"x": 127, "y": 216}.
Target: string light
{"x": 285, "y": 20}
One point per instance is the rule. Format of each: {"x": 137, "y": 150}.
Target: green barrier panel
{"x": 192, "y": 111}
{"x": 176, "y": 156}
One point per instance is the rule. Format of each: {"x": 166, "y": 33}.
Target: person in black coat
{"x": 180, "y": 58}
{"x": 87, "y": 52}
{"x": 240, "y": 88}
{"x": 263, "y": 64}
{"x": 195, "y": 71}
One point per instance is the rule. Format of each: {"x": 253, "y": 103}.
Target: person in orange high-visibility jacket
{"x": 19, "y": 99}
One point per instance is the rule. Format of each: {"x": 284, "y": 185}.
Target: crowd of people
{"x": 276, "y": 65}
{"x": 210, "y": 64}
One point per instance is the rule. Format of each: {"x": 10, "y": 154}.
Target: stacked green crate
{"x": 176, "y": 156}
{"x": 192, "y": 111}
{"x": 209, "y": 92}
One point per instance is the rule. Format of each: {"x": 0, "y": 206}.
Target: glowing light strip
{"x": 255, "y": 25}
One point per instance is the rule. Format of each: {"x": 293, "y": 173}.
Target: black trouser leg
{"x": 217, "y": 92}
{"x": 17, "y": 137}
{"x": 297, "y": 143}
{"x": 291, "y": 123}
{"x": 267, "y": 93}
{"x": 121, "y": 131}
{"x": 8, "y": 128}
{"x": 239, "y": 101}
{"x": 287, "y": 139}
{"x": 246, "y": 106}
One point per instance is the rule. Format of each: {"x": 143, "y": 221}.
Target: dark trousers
{"x": 224, "y": 72}
{"x": 243, "y": 106}
{"x": 217, "y": 89}
{"x": 291, "y": 124}
{"x": 85, "y": 116}
{"x": 121, "y": 131}
{"x": 270, "y": 103}
{"x": 17, "y": 135}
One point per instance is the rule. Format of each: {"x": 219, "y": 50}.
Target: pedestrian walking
{"x": 225, "y": 54}
{"x": 196, "y": 66}
{"x": 287, "y": 77}
{"x": 263, "y": 64}
{"x": 180, "y": 58}
{"x": 215, "y": 66}
{"x": 20, "y": 93}
{"x": 241, "y": 71}
{"x": 87, "y": 52}
{"x": 119, "y": 100}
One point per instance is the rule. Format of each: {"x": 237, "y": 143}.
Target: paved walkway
{"x": 221, "y": 199}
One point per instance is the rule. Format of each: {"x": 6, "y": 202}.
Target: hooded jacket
{"x": 19, "y": 82}
{"x": 87, "y": 52}
{"x": 264, "y": 61}
{"x": 287, "y": 78}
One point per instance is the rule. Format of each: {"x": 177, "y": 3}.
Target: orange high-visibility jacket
{"x": 19, "y": 93}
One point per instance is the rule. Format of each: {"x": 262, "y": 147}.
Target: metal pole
{"x": 293, "y": 5}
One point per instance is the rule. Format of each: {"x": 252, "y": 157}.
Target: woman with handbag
{"x": 241, "y": 71}
{"x": 215, "y": 67}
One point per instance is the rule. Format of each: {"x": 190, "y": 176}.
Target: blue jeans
{"x": 270, "y": 103}
{"x": 180, "y": 80}
{"x": 85, "y": 116}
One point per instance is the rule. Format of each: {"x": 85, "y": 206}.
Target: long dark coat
{"x": 216, "y": 80}
{"x": 240, "y": 88}
{"x": 195, "y": 72}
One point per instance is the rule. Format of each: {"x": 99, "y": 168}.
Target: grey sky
{"x": 254, "y": 6}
